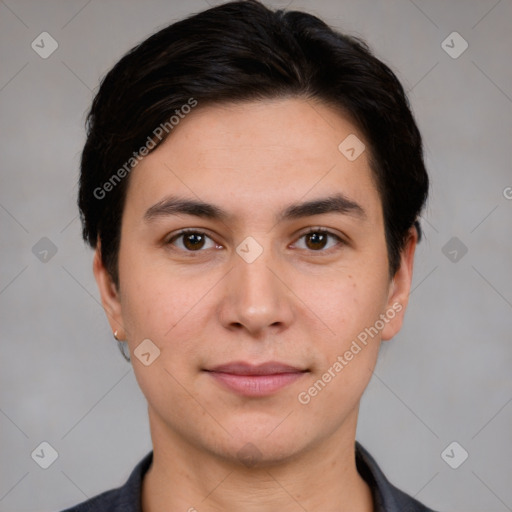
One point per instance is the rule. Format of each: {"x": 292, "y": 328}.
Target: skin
{"x": 299, "y": 303}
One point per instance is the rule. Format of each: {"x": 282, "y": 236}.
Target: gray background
{"x": 446, "y": 377}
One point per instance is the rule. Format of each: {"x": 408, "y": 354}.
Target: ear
{"x": 109, "y": 295}
{"x": 400, "y": 288}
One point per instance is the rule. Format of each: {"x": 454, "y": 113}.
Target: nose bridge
{"x": 256, "y": 282}
{"x": 256, "y": 297}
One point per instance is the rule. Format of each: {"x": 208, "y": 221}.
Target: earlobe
{"x": 109, "y": 295}
{"x": 400, "y": 288}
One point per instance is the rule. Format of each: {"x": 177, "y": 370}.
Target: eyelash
{"x": 183, "y": 232}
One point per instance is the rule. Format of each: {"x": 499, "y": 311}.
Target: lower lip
{"x": 256, "y": 385}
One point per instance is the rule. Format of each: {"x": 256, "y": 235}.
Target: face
{"x": 269, "y": 309}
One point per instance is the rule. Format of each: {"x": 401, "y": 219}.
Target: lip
{"x": 255, "y": 380}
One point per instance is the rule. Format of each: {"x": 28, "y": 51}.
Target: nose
{"x": 256, "y": 297}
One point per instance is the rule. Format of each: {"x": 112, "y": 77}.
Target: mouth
{"x": 255, "y": 380}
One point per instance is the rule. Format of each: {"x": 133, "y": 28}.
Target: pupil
{"x": 194, "y": 241}
{"x": 316, "y": 240}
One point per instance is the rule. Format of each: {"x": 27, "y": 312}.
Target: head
{"x": 291, "y": 154}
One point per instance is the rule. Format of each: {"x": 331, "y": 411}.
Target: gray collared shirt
{"x": 386, "y": 497}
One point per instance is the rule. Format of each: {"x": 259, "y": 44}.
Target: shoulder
{"x": 126, "y": 498}
{"x": 108, "y": 500}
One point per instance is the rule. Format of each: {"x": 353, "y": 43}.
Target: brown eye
{"x": 192, "y": 241}
{"x": 316, "y": 241}
{"x": 319, "y": 240}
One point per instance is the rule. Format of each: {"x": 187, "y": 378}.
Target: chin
{"x": 258, "y": 446}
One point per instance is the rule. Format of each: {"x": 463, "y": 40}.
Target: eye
{"x": 192, "y": 241}
{"x": 318, "y": 239}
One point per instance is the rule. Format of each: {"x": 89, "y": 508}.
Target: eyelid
{"x": 318, "y": 229}
{"x": 201, "y": 231}
{"x": 168, "y": 240}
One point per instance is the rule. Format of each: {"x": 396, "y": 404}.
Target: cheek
{"x": 169, "y": 306}
{"x": 156, "y": 307}
{"x": 347, "y": 303}
{"x": 345, "y": 360}
{"x": 351, "y": 307}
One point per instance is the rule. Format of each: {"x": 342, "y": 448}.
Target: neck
{"x": 184, "y": 478}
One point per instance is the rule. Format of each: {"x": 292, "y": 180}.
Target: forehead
{"x": 257, "y": 155}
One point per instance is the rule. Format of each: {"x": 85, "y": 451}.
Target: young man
{"x": 251, "y": 183}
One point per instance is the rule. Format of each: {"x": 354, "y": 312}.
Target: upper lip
{"x": 267, "y": 368}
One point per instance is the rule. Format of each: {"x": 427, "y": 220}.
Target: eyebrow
{"x": 181, "y": 206}
{"x": 337, "y": 203}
